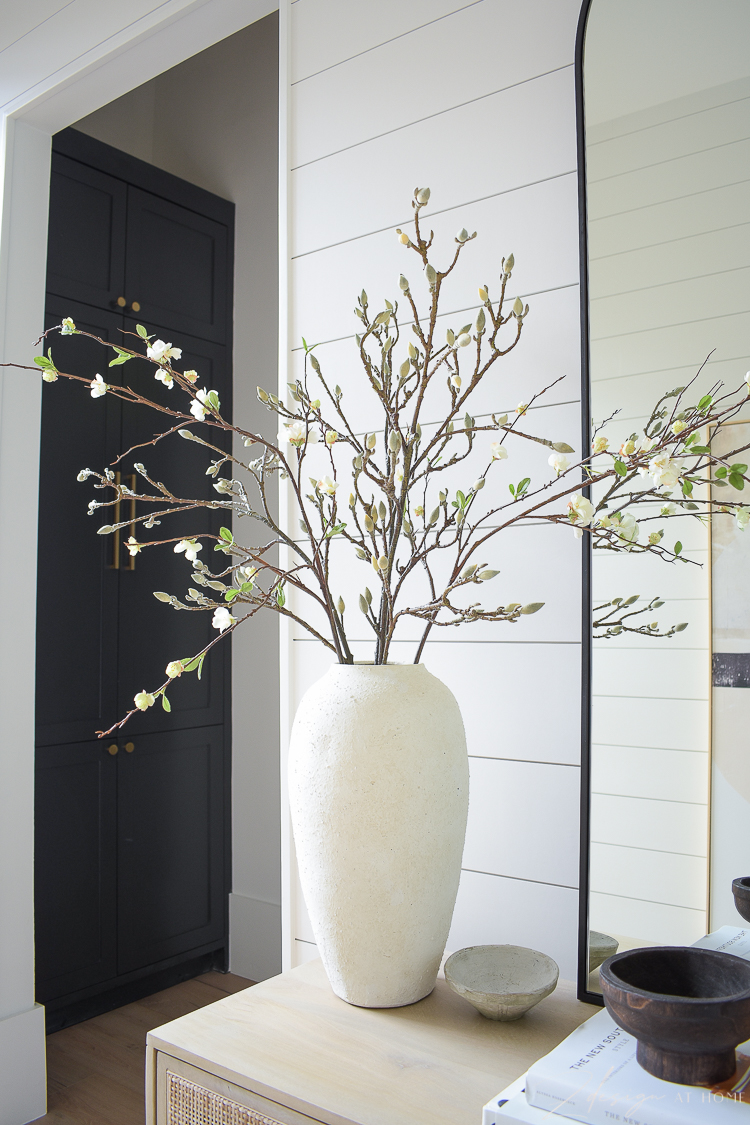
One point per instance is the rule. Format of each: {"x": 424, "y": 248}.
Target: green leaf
{"x": 719, "y": 484}
{"x": 687, "y": 488}
{"x": 280, "y": 596}
{"x": 678, "y": 547}
{"x": 705, "y": 402}
{"x": 721, "y": 472}
{"x": 620, "y": 469}
{"x": 512, "y": 489}
{"x": 226, "y": 535}
{"x": 190, "y": 665}
{"x": 522, "y": 486}
{"x": 230, "y": 595}
{"x": 737, "y": 481}
{"x": 562, "y": 447}
{"x": 335, "y": 530}
{"x": 699, "y": 449}
{"x": 120, "y": 359}
{"x": 213, "y": 400}
{"x": 460, "y": 497}
{"x": 200, "y": 665}
{"x": 141, "y": 331}
{"x": 165, "y": 703}
{"x": 693, "y": 507}
{"x": 42, "y": 361}
{"x": 737, "y": 468}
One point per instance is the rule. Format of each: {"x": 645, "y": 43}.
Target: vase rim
{"x": 372, "y": 664}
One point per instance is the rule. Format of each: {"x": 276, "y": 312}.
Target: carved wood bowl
{"x": 741, "y": 892}
{"x": 688, "y": 1009}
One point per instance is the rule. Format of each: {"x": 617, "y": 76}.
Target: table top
{"x": 291, "y": 1039}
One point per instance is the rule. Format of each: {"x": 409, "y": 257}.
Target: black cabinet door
{"x": 75, "y": 867}
{"x": 76, "y": 663}
{"x": 176, "y": 266}
{"x": 170, "y": 845}
{"x": 86, "y": 246}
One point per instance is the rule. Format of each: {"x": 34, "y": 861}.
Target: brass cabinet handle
{"x": 130, "y": 747}
{"x": 113, "y": 749}
{"x": 136, "y": 306}
{"x": 115, "y": 564}
{"x": 132, "y": 558}
{"x": 121, "y": 302}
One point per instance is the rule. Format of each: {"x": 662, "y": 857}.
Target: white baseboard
{"x": 254, "y": 937}
{"x": 23, "y": 1067}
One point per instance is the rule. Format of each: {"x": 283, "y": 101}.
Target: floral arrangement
{"x": 388, "y": 496}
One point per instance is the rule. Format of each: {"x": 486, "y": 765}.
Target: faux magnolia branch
{"x": 402, "y": 518}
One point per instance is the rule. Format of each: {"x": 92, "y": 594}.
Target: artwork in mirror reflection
{"x": 667, "y": 119}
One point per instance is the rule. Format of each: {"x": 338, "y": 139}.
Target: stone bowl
{"x": 688, "y": 1009}
{"x": 502, "y": 981}
{"x": 601, "y": 946}
{"x": 741, "y": 892}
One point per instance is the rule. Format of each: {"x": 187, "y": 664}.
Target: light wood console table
{"x": 288, "y": 1051}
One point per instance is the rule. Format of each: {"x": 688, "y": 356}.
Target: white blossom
{"x": 68, "y": 327}
{"x": 331, "y": 437}
{"x": 161, "y": 352}
{"x": 222, "y": 619}
{"x": 143, "y": 700}
{"x": 175, "y": 668}
{"x": 742, "y": 516}
{"x": 463, "y": 340}
{"x": 197, "y": 407}
{"x": 190, "y": 375}
{"x": 328, "y": 486}
{"x": 294, "y": 433}
{"x": 456, "y": 381}
{"x": 133, "y": 545}
{"x": 98, "y": 387}
{"x": 522, "y": 408}
{"x": 559, "y": 462}
{"x": 665, "y": 470}
{"x": 599, "y": 444}
{"x": 165, "y": 378}
{"x": 678, "y": 426}
{"x": 498, "y": 451}
{"x": 190, "y": 547}
{"x": 580, "y": 511}
{"x": 669, "y": 509}
{"x": 626, "y": 527}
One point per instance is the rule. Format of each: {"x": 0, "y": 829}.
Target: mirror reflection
{"x": 667, "y": 131}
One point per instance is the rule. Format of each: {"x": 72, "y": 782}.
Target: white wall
{"x": 213, "y": 120}
{"x": 476, "y": 101}
{"x": 58, "y": 63}
{"x": 668, "y": 253}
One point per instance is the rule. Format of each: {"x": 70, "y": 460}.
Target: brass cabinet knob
{"x": 130, "y": 747}
{"x": 113, "y": 749}
{"x": 121, "y": 302}
{"x": 136, "y": 306}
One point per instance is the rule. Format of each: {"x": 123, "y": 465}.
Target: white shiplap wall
{"x": 477, "y": 101}
{"x": 669, "y": 246}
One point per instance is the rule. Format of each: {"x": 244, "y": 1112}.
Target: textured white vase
{"x": 379, "y": 792}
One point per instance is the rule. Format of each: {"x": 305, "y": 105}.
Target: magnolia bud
{"x": 479, "y": 322}
{"x": 430, "y": 275}
{"x": 404, "y": 369}
{"x": 463, "y": 340}
{"x": 352, "y": 499}
{"x": 369, "y": 525}
{"x": 450, "y": 337}
{"x": 462, "y": 235}
{"x": 518, "y": 307}
{"x": 403, "y": 238}
{"x": 413, "y": 353}
{"x": 107, "y": 529}
{"x": 383, "y": 562}
{"x": 434, "y": 517}
{"x": 371, "y": 440}
{"x": 456, "y": 381}
{"x": 483, "y": 294}
{"x": 161, "y": 596}
{"x": 477, "y": 485}
{"x": 394, "y": 441}
{"x": 340, "y": 605}
{"x": 509, "y": 263}
{"x": 403, "y": 283}
{"x": 382, "y": 510}
{"x": 262, "y": 395}
{"x": 422, "y": 195}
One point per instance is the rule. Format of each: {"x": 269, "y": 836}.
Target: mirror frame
{"x": 583, "y": 991}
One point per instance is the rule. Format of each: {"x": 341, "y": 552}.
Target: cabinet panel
{"x": 170, "y": 845}
{"x": 176, "y": 266}
{"x": 86, "y": 248}
{"x": 75, "y": 870}
{"x": 76, "y": 588}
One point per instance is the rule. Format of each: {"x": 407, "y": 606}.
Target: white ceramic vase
{"x": 379, "y": 792}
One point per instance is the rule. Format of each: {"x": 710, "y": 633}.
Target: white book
{"x": 593, "y": 1077}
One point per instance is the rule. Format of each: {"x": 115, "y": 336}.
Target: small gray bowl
{"x": 503, "y": 982}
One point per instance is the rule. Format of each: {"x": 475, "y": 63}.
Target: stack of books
{"x": 593, "y": 1077}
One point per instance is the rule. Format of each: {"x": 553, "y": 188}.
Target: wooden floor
{"x": 95, "y": 1070}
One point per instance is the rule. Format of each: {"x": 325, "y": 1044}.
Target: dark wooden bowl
{"x": 741, "y": 892}
{"x": 688, "y": 1008}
